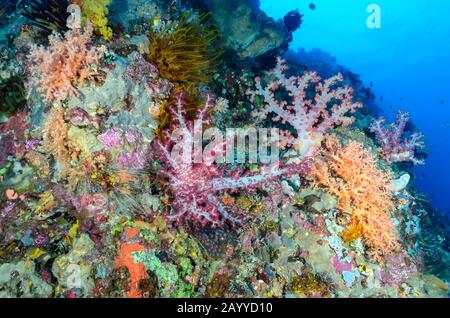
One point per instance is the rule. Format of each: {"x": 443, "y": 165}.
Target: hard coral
{"x": 310, "y": 118}
{"x": 364, "y": 191}
{"x": 196, "y": 186}
{"x": 96, "y": 11}
{"x": 67, "y": 62}
{"x": 390, "y": 139}
{"x": 186, "y": 51}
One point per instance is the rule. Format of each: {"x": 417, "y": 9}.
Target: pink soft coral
{"x": 66, "y": 63}
{"x": 196, "y": 187}
{"x": 390, "y": 139}
{"x": 311, "y": 118}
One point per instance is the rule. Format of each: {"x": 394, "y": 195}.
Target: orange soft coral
{"x": 67, "y": 62}
{"x": 364, "y": 191}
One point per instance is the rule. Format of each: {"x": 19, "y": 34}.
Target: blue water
{"x": 408, "y": 57}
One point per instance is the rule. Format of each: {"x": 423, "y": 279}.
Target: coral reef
{"x": 246, "y": 29}
{"x": 49, "y": 15}
{"x": 133, "y": 161}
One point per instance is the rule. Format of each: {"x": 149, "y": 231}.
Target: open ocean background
{"x": 407, "y": 60}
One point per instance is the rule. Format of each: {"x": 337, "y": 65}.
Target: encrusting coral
{"x": 364, "y": 191}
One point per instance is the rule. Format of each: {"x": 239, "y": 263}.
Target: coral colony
{"x": 390, "y": 139}
{"x": 118, "y": 162}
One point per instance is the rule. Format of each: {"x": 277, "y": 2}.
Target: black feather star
{"x": 49, "y": 15}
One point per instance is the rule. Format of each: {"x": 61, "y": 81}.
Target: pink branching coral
{"x": 66, "y": 63}
{"x": 196, "y": 187}
{"x": 311, "y": 118}
{"x": 390, "y": 139}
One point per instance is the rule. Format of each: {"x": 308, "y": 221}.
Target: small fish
{"x": 381, "y": 98}
{"x": 401, "y": 99}
{"x": 371, "y": 84}
{"x": 312, "y": 6}
{"x": 391, "y": 107}
{"x": 441, "y": 101}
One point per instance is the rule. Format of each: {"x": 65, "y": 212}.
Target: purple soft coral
{"x": 390, "y": 139}
{"x": 196, "y": 187}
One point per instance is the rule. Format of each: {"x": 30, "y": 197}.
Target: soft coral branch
{"x": 390, "y": 139}
{"x": 66, "y": 63}
{"x": 196, "y": 187}
{"x": 311, "y": 118}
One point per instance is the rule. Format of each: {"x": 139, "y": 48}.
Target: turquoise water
{"x": 407, "y": 61}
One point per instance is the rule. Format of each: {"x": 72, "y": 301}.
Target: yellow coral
{"x": 352, "y": 233}
{"x": 96, "y": 11}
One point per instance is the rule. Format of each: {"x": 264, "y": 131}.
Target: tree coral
{"x": 96, "y": 12}
{"x": 196, "y": 186}
{"x": 186, "y": 51}
{"x": 390, "y": 139}
{"x": 310, "y": 118}
{"x": 364, "y": 192}
{"x": 66, "y": 63}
